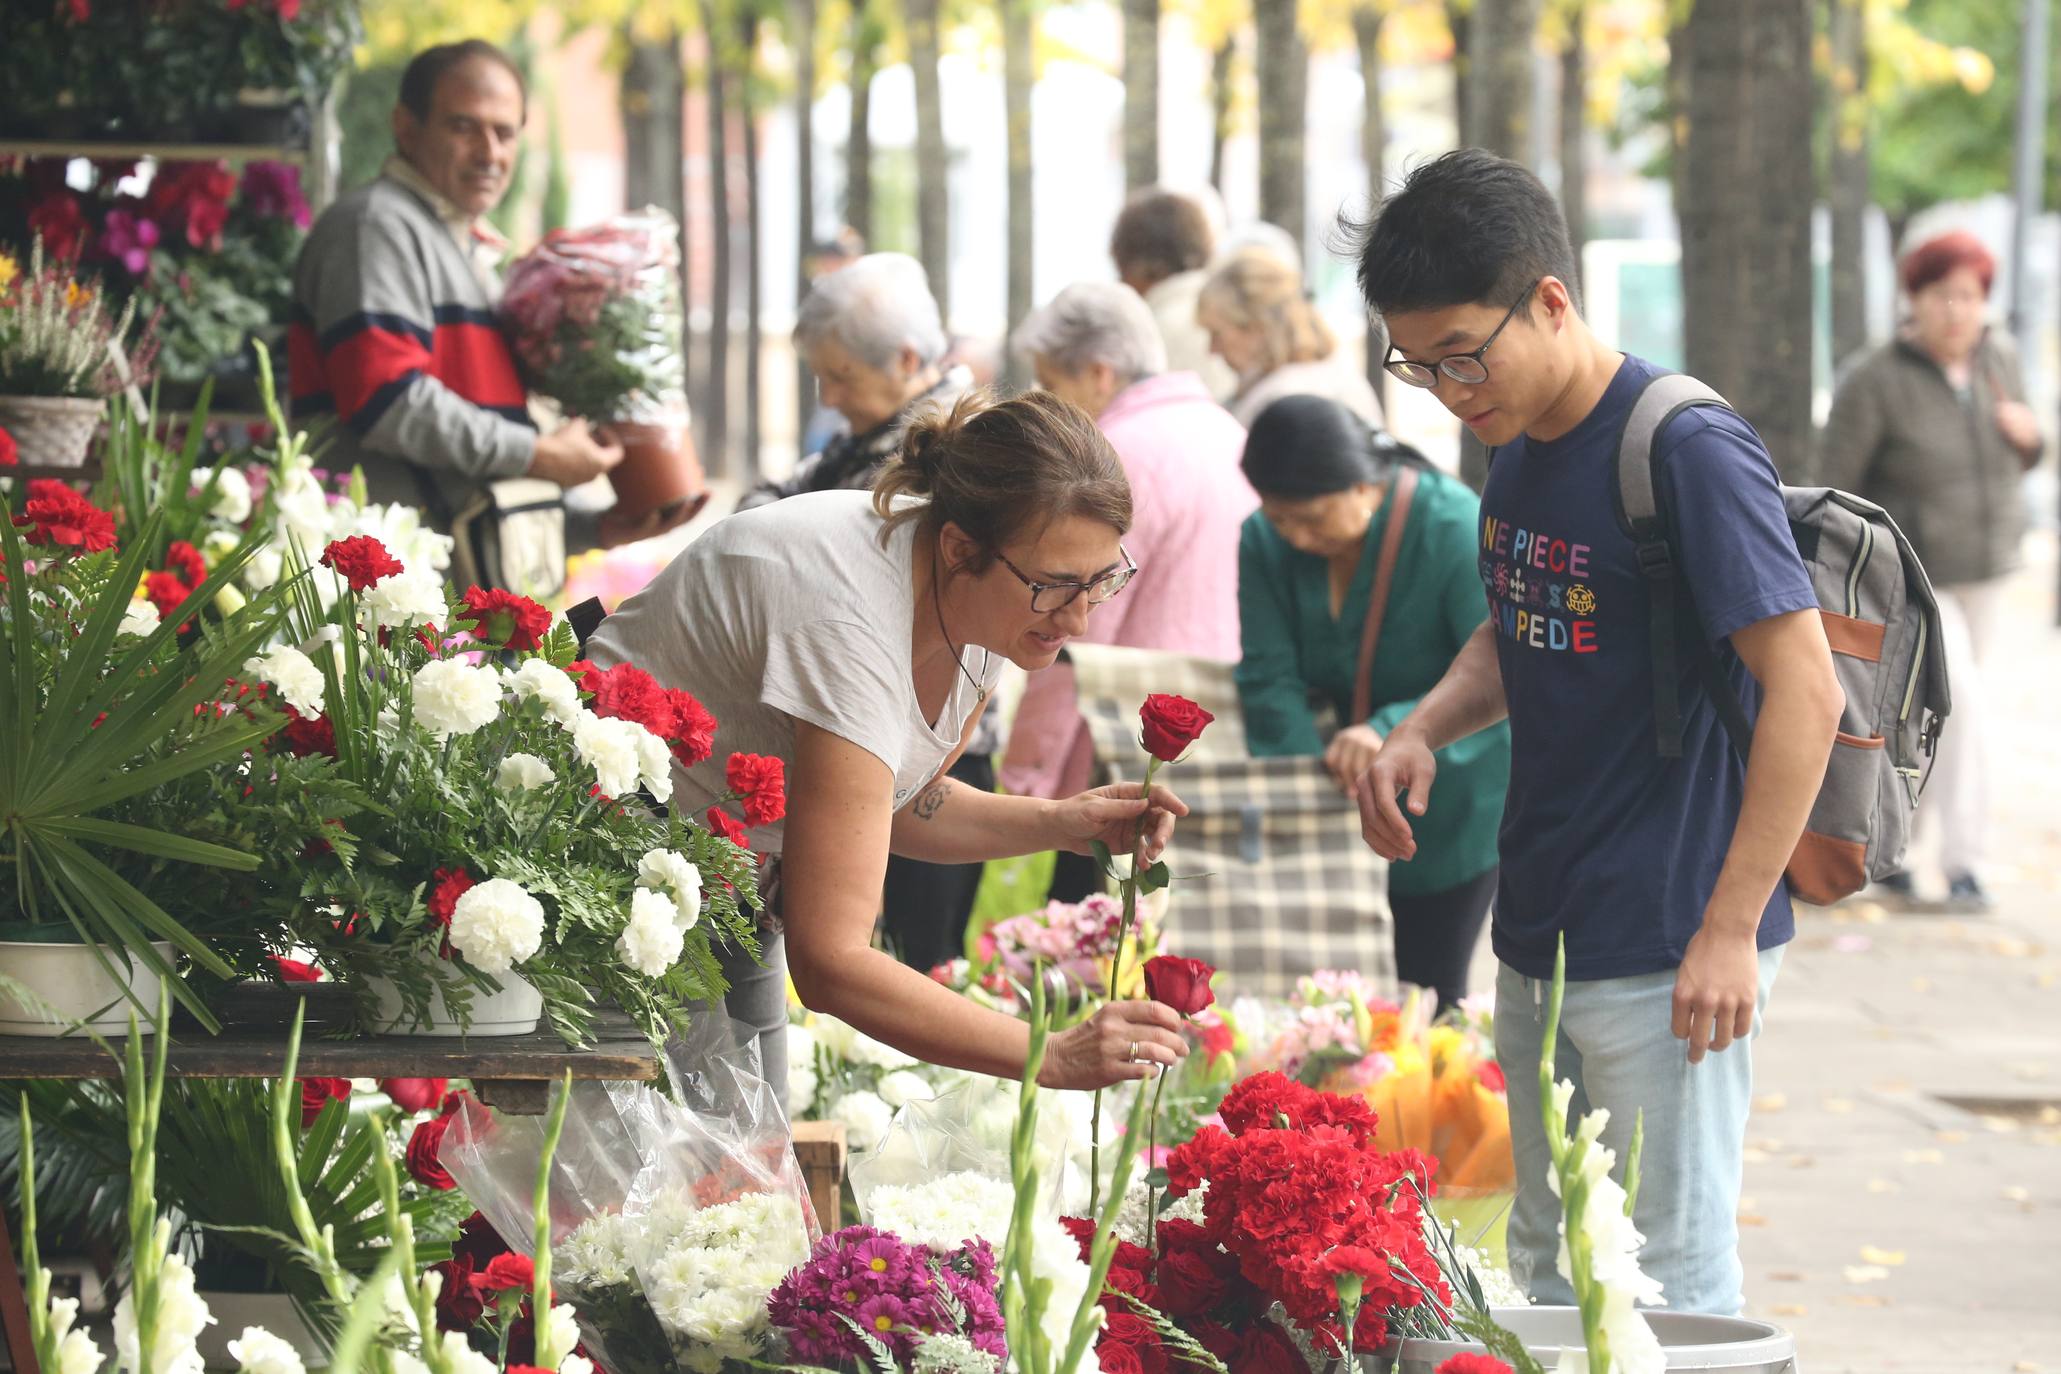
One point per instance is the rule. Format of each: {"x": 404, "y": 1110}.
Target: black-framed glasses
{"x": 1467, "y": 368}
{"x": 1047, "y": 597}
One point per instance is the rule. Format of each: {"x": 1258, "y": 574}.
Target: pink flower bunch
{"x": 593, "y": 314}
{"x": 1071, "y": 937}
{"x": 895, "y": 1292}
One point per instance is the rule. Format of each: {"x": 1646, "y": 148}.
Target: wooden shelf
{"x": 163, "y": 152}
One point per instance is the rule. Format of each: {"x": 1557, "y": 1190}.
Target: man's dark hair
{"x": 426, "y": 68}
{"x": 1159, "y": 234}
{"x": 1466, "y": 227}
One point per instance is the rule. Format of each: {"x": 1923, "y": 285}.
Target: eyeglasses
{"x": 1467, "y": 368}
{"x": 1047, "y": 597}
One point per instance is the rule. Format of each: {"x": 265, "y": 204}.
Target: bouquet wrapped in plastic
{"x": 595, "y": 319}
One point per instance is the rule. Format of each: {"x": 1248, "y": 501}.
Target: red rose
{"x": 57, "y": 515}
{"x": 1218, "y": 1039}
{"x": 1182, "y": 984}
{"x": 1189, "y": 1285}
{"x": 423, "y": 1164}
{"x": 1470, "y": 1363}
{"x": 1266, "y": 1349}
{"x": 293, "y": 970}
{"x": 316, "y": 1093}
{"x": 720, "y": 822}
{"x": 761, "y": 783}
{"x": 1117, "y": 1358}
{"x": 9, "y": 450}
{"x": 478, "y": 1241}
{"x": 504, "y": 618}
{"x": 414, "y": 1095}
{"x": 305, "y": 735}
{"x": 185, "y": 560}
{"x": 459, "y": 1305}
{"x": 694, "y": 733}
{"x": 361, "y": 561}
{"x": 452, "y": 883}
{"x": 1171, "y": 724}
{"x": 1218, "y": 1340}
{"x": 506, "y": 1273}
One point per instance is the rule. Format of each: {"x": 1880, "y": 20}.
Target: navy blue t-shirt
{"x": 1602, "y": 838}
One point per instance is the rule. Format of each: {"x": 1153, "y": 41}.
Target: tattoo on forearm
{"x": 931, "y": 798}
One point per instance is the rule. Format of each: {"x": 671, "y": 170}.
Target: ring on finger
{"x": 1132, "y": 1057}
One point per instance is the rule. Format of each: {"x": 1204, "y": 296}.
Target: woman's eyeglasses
{"x": 1047, "y": 597}
{"x": 1465, "y": 368}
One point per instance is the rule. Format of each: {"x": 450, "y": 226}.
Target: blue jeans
{"x": 1617, "y": 1048}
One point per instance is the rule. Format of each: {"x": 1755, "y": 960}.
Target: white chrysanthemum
{"x": 866, "y": 1119}
{"x": 551, "y": 687}
{"x": 521, "y": 772}
{"x": 1133, "y": 1216}
{"x": 139, "y": 619}
{"x": 76, "y": 1352}
{"x": 295, "y": 675}
{"x": 834, "y": 1036}
{"x": 232, "y": 493}
{"x": 802, "y": 1079}
{"x": 414, "y": 596}
{"x": 709, "y": 1284}
{"x": 654, "y": 764}
{"x": 496, "y": 925}
{"x": 454, "y": 698}
{"x": 603, "y": 1250}
{"x": 905, "y": 1085}
{"x": 258, "y": 1351}
{"x": 946, "y": 1354}
{"x": 674, "y": 872}
{"x": 609, "y": 747}
{"x": 864, "y": 1049}
{"x": 181, "y": 1317}
{"x": 650, "y": 942}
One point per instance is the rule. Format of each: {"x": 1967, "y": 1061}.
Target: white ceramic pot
{"x": 274, "y": 1312}
{"x": 71, "y": 980}
{"x": 514, "y": 1010}
{"x": 1735, "y": 1345}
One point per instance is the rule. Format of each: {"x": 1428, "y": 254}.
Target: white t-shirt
{"x": 794, "y": 611}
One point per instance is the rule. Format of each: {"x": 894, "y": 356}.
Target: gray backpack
{"x": 1880, "y": 618}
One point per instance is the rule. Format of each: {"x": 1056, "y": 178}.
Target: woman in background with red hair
{"x": 1933, "y": 427}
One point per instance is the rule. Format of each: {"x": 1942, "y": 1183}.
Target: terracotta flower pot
{"x": 659, "y": 468}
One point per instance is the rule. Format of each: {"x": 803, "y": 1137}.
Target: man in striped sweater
{"x": 394, "y": 331}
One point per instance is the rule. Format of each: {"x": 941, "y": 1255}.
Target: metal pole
{"x": 2028, "y": 175}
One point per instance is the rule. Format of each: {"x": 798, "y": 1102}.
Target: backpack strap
{"x": 1641, "y": 515}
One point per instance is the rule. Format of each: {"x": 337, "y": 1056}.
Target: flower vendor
{"x": 858, "y": 637}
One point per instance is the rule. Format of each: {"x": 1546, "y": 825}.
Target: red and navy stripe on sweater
{"x": 359, "y": 366}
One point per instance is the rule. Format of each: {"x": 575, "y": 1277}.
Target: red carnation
{"x": 694, "y": 730}
{"x": 294, "y": 971}
{"x": 452, "y": 883}
{"x": 1468, "y": 1362}
{"x": 1490, "y": 1075}
{"x": 504, "y": 618}
{"x": 414, "y": 1095}
{"x": 305, "y": 735}
{"x": 1182, "y": 984}
{"x": 721, "y": 823}
{"x": 9, "y": 450}
{"x": 761, "y": 784}
{"x": 316, "y": 1093}
{"x": 185, "y": 560}
{"x": 627, "y": 692}
{"x": 1170, "y": 724}
{"x": 506, "y": 1273}
{"x": 423, "y": 1165}
{"x": 166, "y": 592}
{"x": 59, "y": 516}
{"x": 361, "y": 561}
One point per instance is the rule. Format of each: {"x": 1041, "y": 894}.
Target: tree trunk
{"x": 754, "y": 433}
{"x": 1019, "y": 34}
{"x": 715, "y": 403}
{"x": 858, "y": 171}
{"x": 1849, "y": 176}
{"x": 804, "y": 13}
{"x": 1374, "y": 153}
{"x": 1141, "y": 93}
{"x": 1283, "y": 63}
{"x": 1746, "y": 260}
{"x": 1460, "y": 20}
{"x": 933, "y": 165}
{"x": 1220, "y": 110}
{"x": 653, "y": 124}
{"x": 1574, "y": 129}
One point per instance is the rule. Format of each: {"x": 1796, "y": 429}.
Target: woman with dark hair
{"x": 857, "y": 636}
{"x": 1329, "y": 486}
{"x": 1933, "y": 427}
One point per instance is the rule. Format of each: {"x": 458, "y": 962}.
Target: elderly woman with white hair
{"x": 1097, "y": 345}
{"x": 872, "y": 335}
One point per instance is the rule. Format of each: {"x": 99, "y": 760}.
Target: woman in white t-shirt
{"x": 858, "y": 636}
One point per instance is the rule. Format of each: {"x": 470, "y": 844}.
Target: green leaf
{"x": 1155, "y": 878}
{"x": 142, "y": 840}
{"x": 1104, "y": 857}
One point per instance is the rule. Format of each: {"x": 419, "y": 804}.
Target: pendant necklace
{"x": 980, "y": 693}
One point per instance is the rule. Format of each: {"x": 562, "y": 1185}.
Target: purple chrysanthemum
{"x": 893, "y": 1291}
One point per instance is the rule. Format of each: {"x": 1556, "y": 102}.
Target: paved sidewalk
{"x": 1902, "y": 1206}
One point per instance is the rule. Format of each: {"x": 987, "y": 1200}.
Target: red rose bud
{"x": 499, "y": 617}
{"x": 414, "y": 1095}
{"x": 316, "y": 1094}
{"x": 1171, "y": 725}
{"x": 294, "y": 971}
{"x": 1182, "y": 984}
{"x": 505, "y": 1273}
{"x": 360, "y": 560}
{"x": 424, "y": 1166}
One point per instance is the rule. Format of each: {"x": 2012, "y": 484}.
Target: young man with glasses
{"x": 1662, "y": 875}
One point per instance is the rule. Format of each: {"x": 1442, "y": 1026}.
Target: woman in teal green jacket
{"x": 1306, "y": 564}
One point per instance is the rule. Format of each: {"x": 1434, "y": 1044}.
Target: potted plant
{"x": 58, "y": 341}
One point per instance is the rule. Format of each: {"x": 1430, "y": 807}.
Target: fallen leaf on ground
{"x": 1864, "y": 1273}
{"x": 1921, "y": 985}
{"x": 1786, "y": 1276}
{"x": 1924, "y": 1157}
{"x": 1787, "y": 1309}
{"x": 1875, "y": 1255}
{"x": 1864, "y": 1300}
{"x": 2021, "y": 1367}
{"x": 2001, "y": 1125}
{"x": 2017, "y": 1194}
{"x": 2050, "y": 1116}
{"x": 1883, "y": 1185}
{"x": 1752, "y": 1219}
{"x": 1839, "y": 1106}
{"x": 1951, "y": 1137}
{"x": 1771, "y": 1102}
{"x": 1893, "y": 1085}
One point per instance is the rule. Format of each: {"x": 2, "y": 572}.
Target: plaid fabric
{"x": 1291, "y": 886}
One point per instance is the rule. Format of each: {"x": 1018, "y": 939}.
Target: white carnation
{"x": 181, "y": 1316}
{"x": 139, "y": 620}
{"x": 295, "y": 675}
{"x": 522, "y": 772}
{"x": 866, "y": 1119}
{"x": 76, "y": 1352}
{"x": 654, "y": 764}
{"x": 551, "y": 687}
{"x": 802, "y": 1079}
{"x": 258, "y": 1351}
{"x": 609, "y": 747}
{"x": 413, "y": 596}
{"x": 264, "y": 568}
{"x": 675, "y": 873}
{"x": 650, "y": 942}
{"x": 905, "y": 1085}
{"x": 496, "y": 925}
{"x": 454, "y": 698}
{"x": 232, "y": 497}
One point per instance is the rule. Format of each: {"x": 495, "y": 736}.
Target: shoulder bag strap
{"x": 1399, "y": 494}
